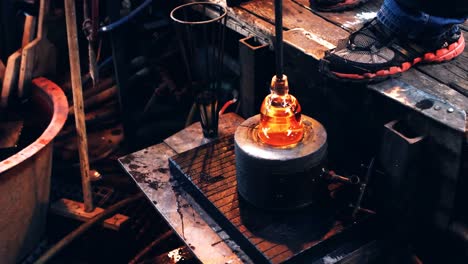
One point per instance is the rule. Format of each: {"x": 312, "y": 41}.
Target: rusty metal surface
{"x": 25, "y": 178}
{"x": 430, "y": 105}
{"x": 150, "y": 170}
{"x": 192, "y": 136}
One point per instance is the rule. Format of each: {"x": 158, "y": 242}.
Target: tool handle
{"x": 78, "y": 105}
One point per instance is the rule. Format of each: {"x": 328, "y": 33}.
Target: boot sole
{"x": 440, "y": 55}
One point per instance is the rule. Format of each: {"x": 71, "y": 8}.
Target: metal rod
{"x": 153, "y": 244}
{"x": 279, "y": 38}
{"x": 363, "y": 187}
{"x": 84, "y": 227}
{"x": 74, "y": 57}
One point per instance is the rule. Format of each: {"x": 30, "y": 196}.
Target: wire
{"x": 124, "y": 20}
{"x": 84, "y": 227}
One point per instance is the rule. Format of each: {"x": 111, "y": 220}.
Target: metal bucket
{"x": 25, "y": 177}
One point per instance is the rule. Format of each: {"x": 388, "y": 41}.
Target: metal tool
{"x": 201, "y": 41}
{"x": 332, "y": 176}
{"x": 363, "y": 187}
{"x": 89, "y": 29}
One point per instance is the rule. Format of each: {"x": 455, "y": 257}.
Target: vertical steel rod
{"x": 74, "y": 57}
{"x": 279, "y": 38}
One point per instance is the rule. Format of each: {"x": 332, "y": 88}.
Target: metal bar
{"x": 74, "y": 56}
{"x": 279, "y": 38}
{"x": 153, "y": 244}
{"x": 252, "y": 57}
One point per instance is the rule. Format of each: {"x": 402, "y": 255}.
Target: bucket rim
{"x": 59, "y": 104}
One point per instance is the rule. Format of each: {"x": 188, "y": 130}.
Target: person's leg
{"x": 393, "y": 42}
{"x": 412, "y": 23}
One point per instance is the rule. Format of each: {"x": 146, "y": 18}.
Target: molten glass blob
{"x": 280, "y": 116}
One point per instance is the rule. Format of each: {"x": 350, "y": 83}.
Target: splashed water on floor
{"x": 359, "y": 19}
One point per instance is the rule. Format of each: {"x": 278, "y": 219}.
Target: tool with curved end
{"x": 14, "y": 61}
{"x": 38, "y": 57}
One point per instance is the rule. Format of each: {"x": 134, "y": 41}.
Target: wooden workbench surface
{"x": 313, "y": 33}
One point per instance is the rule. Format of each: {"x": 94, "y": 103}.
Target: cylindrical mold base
{"x": 280, "y": 178}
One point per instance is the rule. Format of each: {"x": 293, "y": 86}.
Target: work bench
{"x": 311, "y": 33}
{"x": 434, "y": 96}
{"x": 149, "y": 168}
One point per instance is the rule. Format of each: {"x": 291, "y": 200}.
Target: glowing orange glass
{"x": 280, "y": 116}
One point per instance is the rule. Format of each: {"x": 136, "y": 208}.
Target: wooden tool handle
{"x": 41, "y": 25}
{"x": 29, "y": 30}
{"x": 74, "y": 57}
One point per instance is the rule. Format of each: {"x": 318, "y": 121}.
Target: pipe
{"x": 84, "y": 227}
{"x": 235, "y": 96}
{"x": 156, "y": 242}
{"x": 279, "y": 38}
{"x": 124, "y": 20}
{"x": 77, "y": 88}
{"x": 331, "y": 175}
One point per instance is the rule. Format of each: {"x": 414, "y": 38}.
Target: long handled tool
{"x": 38, "y": 57}
{"x": 2, "y": 71}
{"x": 74, "y": 57}
{"x": 14, "y": 61}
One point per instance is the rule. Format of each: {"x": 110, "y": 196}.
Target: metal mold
{"x": 280, "y": 178}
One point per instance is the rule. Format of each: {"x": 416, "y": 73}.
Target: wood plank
{"x": 227, "y": 192}
{"x": 233, "y": 214}
{"x": 246, "y": 23}
{"x": 275, "y": 250}
{"x": 351, "y": 20}
{"x": 453, "y": 73}
{"x": 75, "y": 210}
{"x": 307, "y": 42}
{"x": 296, "y": 16}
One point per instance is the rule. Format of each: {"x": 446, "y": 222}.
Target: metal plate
{"x": 267, "y": 237}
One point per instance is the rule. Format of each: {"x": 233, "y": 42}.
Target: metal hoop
{"x": 224, "y": 13}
